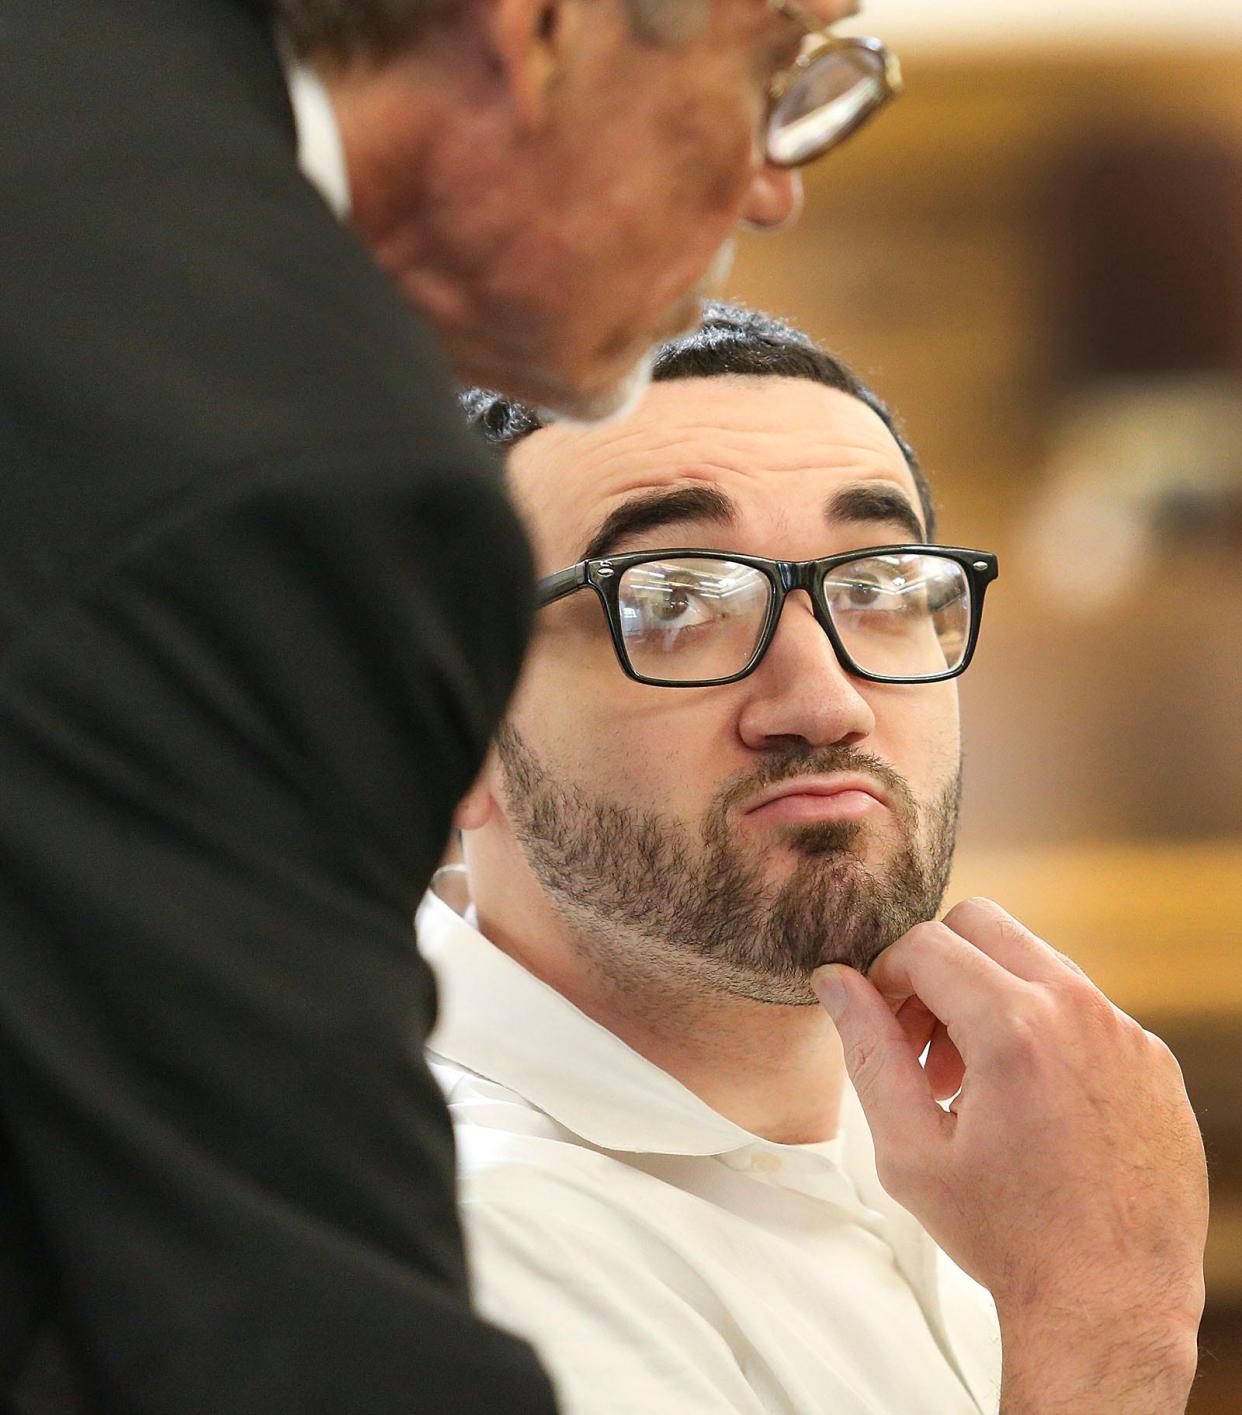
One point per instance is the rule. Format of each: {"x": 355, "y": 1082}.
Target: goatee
{"x": 645, "y": 899}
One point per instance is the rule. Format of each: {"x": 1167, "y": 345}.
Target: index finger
{"x": 1009, "y": 942}
{"x": 964, "y": 988}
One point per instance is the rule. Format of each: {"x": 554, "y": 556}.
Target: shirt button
{"x": 765, "y": 1163}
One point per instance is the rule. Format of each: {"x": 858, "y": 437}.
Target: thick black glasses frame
{"x": 604, "y": 577}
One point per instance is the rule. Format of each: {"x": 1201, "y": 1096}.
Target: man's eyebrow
{"x": 656, "y": 509}
{"x": 869, "y": 502}
{"x": 653, "y": 510}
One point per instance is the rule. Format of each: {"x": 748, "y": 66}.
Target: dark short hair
{"x": 731, "y": 339}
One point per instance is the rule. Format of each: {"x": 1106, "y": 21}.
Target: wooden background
{"x": 1018, "y": 231}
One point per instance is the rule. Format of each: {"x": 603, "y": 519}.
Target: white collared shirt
{"x": 321, "y": 154}
{"x": 659, "y": 1257}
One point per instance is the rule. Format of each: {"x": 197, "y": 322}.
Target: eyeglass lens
{"x": 696, "y": 619}
{"x": 826, "y": 100}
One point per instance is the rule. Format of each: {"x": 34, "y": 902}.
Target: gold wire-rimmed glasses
{"x": 833, "y": 87}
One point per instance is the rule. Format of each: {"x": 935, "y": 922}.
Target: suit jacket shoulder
{"x": 261, "y": 603}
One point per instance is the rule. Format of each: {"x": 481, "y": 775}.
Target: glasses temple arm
{"x": 557, "y": 586}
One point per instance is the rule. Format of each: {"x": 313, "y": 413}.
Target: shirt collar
{"x": 501, "y": 1022}
{"x": 321, "y": 154}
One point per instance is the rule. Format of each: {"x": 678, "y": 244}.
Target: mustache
{"x": 817, "y": 761}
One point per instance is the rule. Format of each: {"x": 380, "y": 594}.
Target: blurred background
{"x": 1036, "y": 256}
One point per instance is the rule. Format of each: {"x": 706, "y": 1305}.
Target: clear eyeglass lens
{"x": 686, "y": 620}
{"x": 901, "y": 616}
{"x": 693, "y": 619}
{"x": 827, "y": 99}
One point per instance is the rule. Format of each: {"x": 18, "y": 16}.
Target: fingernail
{"x": 830, "y": 989}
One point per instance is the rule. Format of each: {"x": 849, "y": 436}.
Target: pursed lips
{"x": 820, "y": 798}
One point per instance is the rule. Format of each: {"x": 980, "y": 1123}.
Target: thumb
{"x": 895, "y": 1095}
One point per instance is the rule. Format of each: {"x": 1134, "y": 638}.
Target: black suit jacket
{"x": 260, "y": 609}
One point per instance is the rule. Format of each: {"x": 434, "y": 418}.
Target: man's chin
{"x": 615, "y": 399}
{"x": 838, "y": 839}
{"x": 620, "y": 394}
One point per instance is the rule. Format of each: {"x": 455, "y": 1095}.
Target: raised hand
{"x": 1068, "y": 1174}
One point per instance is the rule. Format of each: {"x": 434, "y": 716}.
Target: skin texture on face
{"x": 653, "y": 900}
{"x": 620, "y": 821}
{"x": 555, "y": 192}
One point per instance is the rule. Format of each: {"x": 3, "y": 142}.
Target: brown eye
{"x": 861, "y": 593}
{"x": 672, "y": 604}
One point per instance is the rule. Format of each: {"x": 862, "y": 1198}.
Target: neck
{"x": 777, "y": 1071}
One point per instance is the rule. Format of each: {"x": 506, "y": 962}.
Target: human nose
{"x": 800, "y": 692}
{"x": 774, "y": 198}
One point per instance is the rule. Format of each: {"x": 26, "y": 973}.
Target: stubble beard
{"x": 650, "y": 906}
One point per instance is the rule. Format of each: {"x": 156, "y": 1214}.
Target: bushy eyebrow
{"x": 865, "y": 503}
{"x": 656, "y": 509}
{"x": 873, "y": 502}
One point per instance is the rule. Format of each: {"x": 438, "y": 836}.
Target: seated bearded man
{"x": 735, "y": 759}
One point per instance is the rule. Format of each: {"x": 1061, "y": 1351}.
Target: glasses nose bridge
{"x": 790, "y": 576}
{"x": 801, "y": 575}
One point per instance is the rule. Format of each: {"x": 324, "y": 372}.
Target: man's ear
{"x": 532, "y": 41}
{"x": 479, "y": 804}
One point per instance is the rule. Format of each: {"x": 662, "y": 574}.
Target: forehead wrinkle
{"x": 570, "y": 479}
{"x": 756, "y": 479}
{"x": 753, "y": 456}
{"x": 734, "y": 425}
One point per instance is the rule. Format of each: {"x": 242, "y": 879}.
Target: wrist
{"x": 1089, "y": 1360}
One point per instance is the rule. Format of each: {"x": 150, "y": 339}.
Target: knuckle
{"x": 1115, "y": 1023}
{"x": 862, "y": 1063}
{"x": 893, "y": 1170}
{"x": 1087, "y": 1005}
{"x": 977, "y": 904}
{"x": 1161, "y": 1052}
{"x": 1083, "y": 996}
{"x": 929, "y": 931}
{"x": 1010, "y": 930}
{"x": 1024, "y": 1040}
{"x": 891, "y": 965}
{"x": 914, "y": 1178}
{"x": 1073, "y": 967}
{"x": 978, "y": 910}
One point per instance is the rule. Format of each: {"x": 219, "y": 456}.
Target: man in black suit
{"x": 260, "y": 608}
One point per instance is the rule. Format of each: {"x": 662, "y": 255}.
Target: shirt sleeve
{"x": 620, "y": 1329}
{"x": 230, "y": 751}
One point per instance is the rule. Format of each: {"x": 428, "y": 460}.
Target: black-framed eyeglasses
{"x": 834, "y": 86}
{"x": 697, "y": 618}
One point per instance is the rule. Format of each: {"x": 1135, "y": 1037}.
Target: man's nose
{"x": 800, "y": 691}
{"x": 774, "y": 198}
